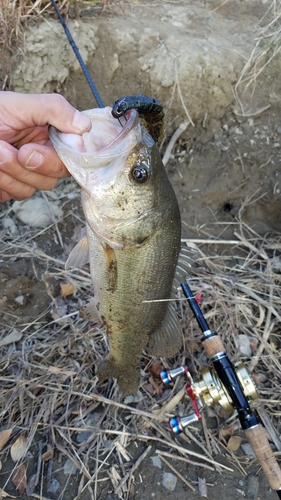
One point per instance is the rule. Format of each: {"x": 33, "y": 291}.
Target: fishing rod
{"x": 150, "y": 111}
{"x": 228, "y": 385}
{"x": 79, "y": 57}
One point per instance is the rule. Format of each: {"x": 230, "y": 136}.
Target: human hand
{"x": 27, "y": 159}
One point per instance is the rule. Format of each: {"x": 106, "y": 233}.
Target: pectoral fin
{"x": 167, "y": 340}
{"x": 79, "y": 255}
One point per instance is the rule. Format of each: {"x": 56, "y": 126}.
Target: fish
{"x": 132, "y": 240}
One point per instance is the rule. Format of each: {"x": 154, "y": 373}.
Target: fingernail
{"x": 5, "y": 155}
{"x": 81, "y": 122}
{"x": 34, "y": 160}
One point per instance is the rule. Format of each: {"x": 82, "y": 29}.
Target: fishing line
{"x": 78, "y": 55}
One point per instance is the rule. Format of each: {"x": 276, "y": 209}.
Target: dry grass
{"x": 50, "y": 395}
{"x": 15, "y": 14}
{"x": 267, "y": 47}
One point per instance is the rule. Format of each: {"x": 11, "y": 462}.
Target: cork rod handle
{"x": 213, "y": 346}
{"x": 261, "y": 447}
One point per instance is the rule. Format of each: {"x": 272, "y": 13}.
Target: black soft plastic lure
{"x": 150, "y": 111}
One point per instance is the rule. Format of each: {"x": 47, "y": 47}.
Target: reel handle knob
{"x": 178, "y": 424}
{"x": 168, "y": 376}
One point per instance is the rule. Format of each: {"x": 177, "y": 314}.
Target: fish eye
{"x": 140, "y": 172}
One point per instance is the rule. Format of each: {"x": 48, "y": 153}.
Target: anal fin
{"x": 167, "y": 340}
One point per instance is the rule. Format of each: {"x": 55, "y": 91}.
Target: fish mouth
{"x": 105, "y": 139}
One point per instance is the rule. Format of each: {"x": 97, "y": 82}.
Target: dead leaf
{"x": 14, "y": 336}
{"x": 5, "y": 495}
{"x": 226, "y": 432}
{"x": 254, "y": 345}
{"x": 259, "y": 378}
{"x": 54, "y": 369}
{"x": 48, "y": 454}
{"x": 148, "y": 387}
{"x": 18, "y": 449}
{"x": 261, "y": 318}
{"x": 155, "y": 369}
{"x": 157, "y": 388}
{"x": 193, "y": 346}
{"x": 234, "y": 443}
{"x": 4, "y": 437}
{"x": 19, "y": 478}
{"x": 59, "y": 371}
{"x": 67, "y": 289}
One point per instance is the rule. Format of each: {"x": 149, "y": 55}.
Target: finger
{"x": 41, "y": 110}
{"x": 18, "y": 181}
{"x": 4, "y": 196}
{"x": 13, "y": 189}
{"x": 42, "y": 160}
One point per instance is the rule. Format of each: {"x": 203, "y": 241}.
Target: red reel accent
{"x": 191, "y": 393}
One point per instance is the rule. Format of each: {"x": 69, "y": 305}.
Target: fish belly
{"x": 123, "y": 280}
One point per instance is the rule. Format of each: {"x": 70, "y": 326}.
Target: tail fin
{"x": 128, "y": 376}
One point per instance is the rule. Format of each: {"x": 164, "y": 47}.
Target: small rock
{"x": 245, "y": 345}
{"x": 54, "y": 485}
{"x": 156, "y": 460}
{"x": 9, "y": 223}
{"x": 202, "y": 487}
{"x": 169, "y": 481}
{"x": 69, "y": 467}
{"x": 20, "y": 300}
{"x": 252, "y": 487}
{"x": 35, "y": 212}
{"x": 248, "y": 450}
{"x": 278, "y": 130}
{"x": 133, "y": 398}
{"x": 83, "y": 436}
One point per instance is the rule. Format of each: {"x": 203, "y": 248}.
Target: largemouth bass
{"x": 132, "y": 240}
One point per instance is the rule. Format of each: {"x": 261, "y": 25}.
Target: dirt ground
{"x": 225, "y": 172}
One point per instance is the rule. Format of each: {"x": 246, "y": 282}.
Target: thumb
{"x": 44, "y": 109}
